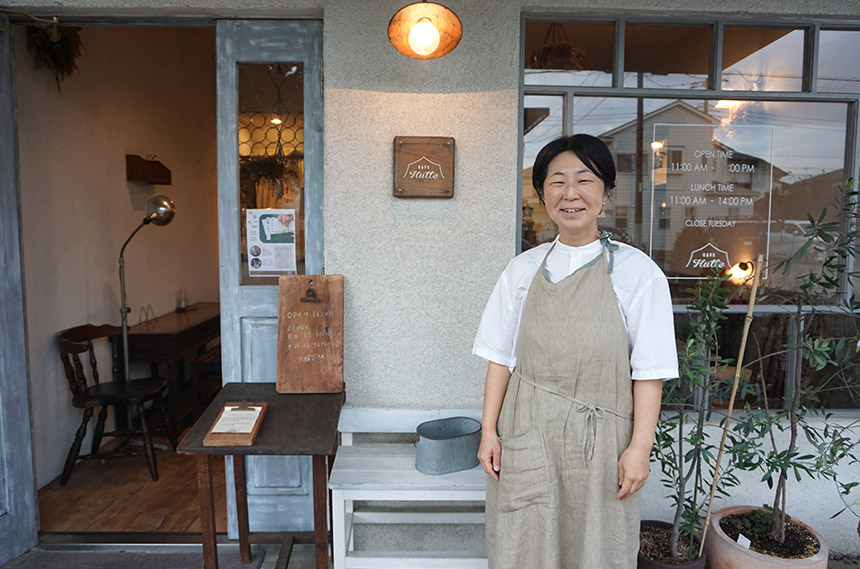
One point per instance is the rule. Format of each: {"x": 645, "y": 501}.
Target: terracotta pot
{"x": 725, "y": 553}
{"x": 646, "y": 563}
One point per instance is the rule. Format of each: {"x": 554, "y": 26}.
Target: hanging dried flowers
{"x": 277, "y": 173}
{"x": 55, "y": 49}
{"x": 557, "y": 52}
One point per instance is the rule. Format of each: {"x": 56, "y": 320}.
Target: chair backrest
{"x": 78, "y": 340}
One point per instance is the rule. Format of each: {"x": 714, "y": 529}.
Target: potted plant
{"x": 683, "y": 449}
{"x": 811, "y": 353}
{"x": 276, "y": 173}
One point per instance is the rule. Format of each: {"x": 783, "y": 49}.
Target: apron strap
{"x": 605, "y": 241}
{"x": 610, "y": 247}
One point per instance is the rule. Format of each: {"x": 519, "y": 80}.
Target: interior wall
{"x": 145, "y": 91}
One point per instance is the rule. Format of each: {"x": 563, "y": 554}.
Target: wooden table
{"x": 295, "y": 424}
{"x": 168, "y": 340}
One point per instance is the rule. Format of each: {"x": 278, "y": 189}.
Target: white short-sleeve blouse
{"x": 640, "y": 287}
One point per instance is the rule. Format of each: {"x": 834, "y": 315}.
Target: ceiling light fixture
{"x": 425, "y": 30}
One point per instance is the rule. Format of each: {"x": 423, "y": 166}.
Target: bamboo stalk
{"x": 738, "y": 366}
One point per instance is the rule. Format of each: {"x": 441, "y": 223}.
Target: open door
{"x": 269, "y": 118}
{"x": 18, "y": 523}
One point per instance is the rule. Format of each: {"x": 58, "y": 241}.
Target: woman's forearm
{"x": 647, "y": 395}
{"x": 495, "y": 387}
{"x": 490, "y": 451}
{"x": 633, "y": 465}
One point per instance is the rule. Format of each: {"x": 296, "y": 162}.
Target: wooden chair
{"x": 88, "y": 395}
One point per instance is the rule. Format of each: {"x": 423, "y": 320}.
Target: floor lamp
{"x": 159, "y": 211}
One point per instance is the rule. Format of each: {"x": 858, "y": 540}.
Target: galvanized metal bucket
{"x": 447, "y": 445}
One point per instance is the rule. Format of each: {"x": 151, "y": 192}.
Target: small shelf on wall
{"x": 139, "y": 169}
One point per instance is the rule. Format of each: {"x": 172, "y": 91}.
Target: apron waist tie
{"x": 592, "y": 413}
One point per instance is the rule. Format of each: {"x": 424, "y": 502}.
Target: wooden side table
{"x": 295, "y": 424}
{"x": 171, "y": 338}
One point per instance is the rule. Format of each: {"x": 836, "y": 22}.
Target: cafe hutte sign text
{"x": 423, "y": 167}
{"x": 710, "y": 198}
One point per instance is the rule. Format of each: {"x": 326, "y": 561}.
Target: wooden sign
{"x": 310, "y": 334}
{"x": 237, "y": 425}
{"x": 423, "y": 167}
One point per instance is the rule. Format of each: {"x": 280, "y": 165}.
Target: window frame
{"x": 808, "y": 93}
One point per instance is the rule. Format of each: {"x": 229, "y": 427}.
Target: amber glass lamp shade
{"x": 425, "y": 30}
{"x": 741, "y": 272}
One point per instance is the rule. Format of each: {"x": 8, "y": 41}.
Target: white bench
{"x": 385, "y": 472}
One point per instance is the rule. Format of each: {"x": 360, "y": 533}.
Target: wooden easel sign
{"x": 310, "y": 334}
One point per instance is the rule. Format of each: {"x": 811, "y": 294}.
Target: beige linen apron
{"x": 565, "y": 420}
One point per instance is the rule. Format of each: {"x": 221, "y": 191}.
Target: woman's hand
{"x": 490, "y": 451}
{"x": 490, "y": 454}
{"x": 633, "y": 469}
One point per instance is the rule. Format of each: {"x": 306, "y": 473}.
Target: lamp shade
{"x": 741, "y": 272}
{"x": 425, "y": 30}
{"x": 159, "y": 210}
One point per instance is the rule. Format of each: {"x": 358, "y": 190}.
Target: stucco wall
{"x": 131, "y": 95}
{"x": 418, "y": 272}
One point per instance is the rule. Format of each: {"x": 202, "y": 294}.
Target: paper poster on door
{"x": 271, "y": 241}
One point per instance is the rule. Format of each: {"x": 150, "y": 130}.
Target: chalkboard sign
{"x": 310, "y": 334}
{"x": 710, "y": 198}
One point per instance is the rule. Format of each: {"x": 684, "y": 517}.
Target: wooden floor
{"x": 118, "y": 495}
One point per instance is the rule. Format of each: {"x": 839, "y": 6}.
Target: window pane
{"x": 667, "y": 56}
{"x": 760, "y": 376}
{"x": 835, "y": 387}
{"x": 543, "y": 123}
{"x": 838, "y": 65}
{"x": 765, "y": 367}
{"x": 724, "y": 169}
{"x": 271, "y": 170}
{"x": 569, "y": 54}
{"x": 762, "y": 59}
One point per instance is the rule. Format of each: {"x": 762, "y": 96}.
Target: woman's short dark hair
{"x": 590, "y": 149}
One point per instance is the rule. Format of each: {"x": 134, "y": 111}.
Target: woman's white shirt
{"x": 640, "y": 287}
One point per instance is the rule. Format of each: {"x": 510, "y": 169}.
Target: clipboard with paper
{"x": 237, "y": 424}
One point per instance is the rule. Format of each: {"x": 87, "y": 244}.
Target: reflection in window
{"x": 569, "y": 53}
{"x": 835, "y": 387}
{"x": 542, "y": 124}
{"x": 801, "y": 173}
{"x": 838, "y": 65}
{"x": 777, "y": 161}
{"x": 271, "y": 152}
{"x": 765, "y": 363}
{"x": 762, "y": 59}
{"x": 667, "y": 56}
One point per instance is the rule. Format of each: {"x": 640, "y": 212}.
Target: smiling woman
{"x": 573, "y": 177}
{"x": 567, "y": 327}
